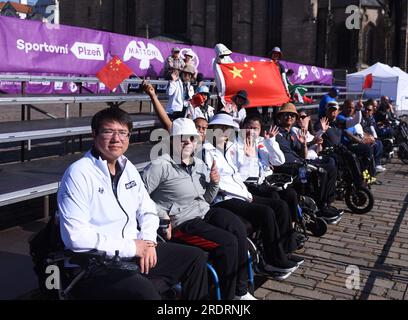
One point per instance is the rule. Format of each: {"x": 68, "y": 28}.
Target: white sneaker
{"x": 380, "y": 168}
{"x": 246, "y": 296}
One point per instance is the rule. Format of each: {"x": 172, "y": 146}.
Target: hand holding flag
{"x": 114, "y": 72}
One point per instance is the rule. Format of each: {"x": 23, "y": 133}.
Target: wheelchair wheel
{"x": 359, "y": 200}
{"x": 317, "y": 226}
{"x": 253, "y": 251}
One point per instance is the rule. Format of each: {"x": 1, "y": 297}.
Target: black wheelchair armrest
{"x": 164, "y": 223}
{"x": 83, "y": 259}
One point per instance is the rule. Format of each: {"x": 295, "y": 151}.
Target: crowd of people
{"x": 208, "y": 187}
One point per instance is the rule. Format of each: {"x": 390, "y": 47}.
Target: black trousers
{"x": 326, "y": 192}
{"x": 289, "y": 195}
{"x": 283, "y": 219}
{"x": 223, "y": 235}
{"x": 263, "y": 218}
{"x": 175, "y": 263}
{"x": 365, "y": 153}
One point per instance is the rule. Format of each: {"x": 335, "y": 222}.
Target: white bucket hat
{"x": 183, "y": 127}
{"x": 223, "y": 119}
{"x": 222, "y": 50}
{"x": 189, "y": 52}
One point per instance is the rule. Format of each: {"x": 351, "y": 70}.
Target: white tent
{"x": 387, "y": 81}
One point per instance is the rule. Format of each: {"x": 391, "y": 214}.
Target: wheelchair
{"x": 47, "y": 250}
{"x": 353, "y": 185}
{"x": 399, "y": 141}
{"x": 306, "y": 219}
{"x": 214, "y": 285}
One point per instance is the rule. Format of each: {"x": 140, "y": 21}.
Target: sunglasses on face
{"x": 303, "y": 116}
{"x": 188, "y": 139}
{"x": 289, "y": 115}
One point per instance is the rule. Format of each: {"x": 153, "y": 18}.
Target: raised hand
{"x": 175, "y": 75}
{"x": 249, "y": 147}
{"x": 324, "y": 122}
{"x": 359, "y": 105}
{"x": 272, "y": 132}
{"x": 301, "y": 136}
{"x": 148, "y": 88}
{"x": 214, "y": 174}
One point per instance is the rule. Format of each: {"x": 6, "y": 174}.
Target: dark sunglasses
{"x": 292, "y": 115}
{"x": 303, "y": 117}
{"x": 185, "y": 139}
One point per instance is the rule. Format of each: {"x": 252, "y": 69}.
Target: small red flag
{"x": 261, "y": 80}
{"x": 197, "y": 100}
{"x": 368, "y": 81}
{"x": 114, "y": 72}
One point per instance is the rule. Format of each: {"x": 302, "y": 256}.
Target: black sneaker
{"x": 297, "y": 259}
{"x": 281, "y": 267}
{"x": 340, "y": 212}
{"x": 335, "y": 221}
{"x": 327, "y": 214}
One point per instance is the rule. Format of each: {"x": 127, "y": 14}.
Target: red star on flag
{"x": 261, "y": 80}
{"x": 114, "y": 72}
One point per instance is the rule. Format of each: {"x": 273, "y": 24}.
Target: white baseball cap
{"x": 223, "y": 119}
{"x": 183, "y": 127}
{"x": 333, "y": 105}
{"x": 189, "y": 53}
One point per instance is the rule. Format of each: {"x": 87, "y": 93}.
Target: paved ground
{"x": 375, "y": 242}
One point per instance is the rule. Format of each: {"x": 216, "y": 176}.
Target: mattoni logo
{"x": 316, "y": 72}
{"x": 88, "y": 51}
{"x": 302, "y": 72}
{"x": 140, "y": 51}
{"x": 195, "y": 59}
{"x": 326, "y": 73}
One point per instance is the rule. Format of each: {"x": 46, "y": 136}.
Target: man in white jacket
{"x": 180, "y": 91}
{"x": 104, "y": 205}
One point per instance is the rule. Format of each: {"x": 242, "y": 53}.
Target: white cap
{"x": 222, "y": 50}
{"x": 189, "y": 53}
{"x": 183, "y": 127}
{"x": 203, "y": 89}
{"x": 276, "y": 49}
{"x": 332, "y": 104}
{"x": 223, "y": 119}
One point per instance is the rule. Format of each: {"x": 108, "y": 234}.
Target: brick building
{"x": 308, "y": 31}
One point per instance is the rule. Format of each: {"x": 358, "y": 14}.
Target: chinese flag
{"x": 113, "y": 73}
{"x": 261, "y": 80}
{"x": 368, "y": 81}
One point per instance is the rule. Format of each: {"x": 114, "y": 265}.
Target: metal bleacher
{"x": 40, "y": 178}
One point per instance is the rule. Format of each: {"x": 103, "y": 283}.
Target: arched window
{"x": 175, "y": 17}
{"x": 369, "y": 44}
{"x": 224, "y": 25}
{"x": 347, "y": 43}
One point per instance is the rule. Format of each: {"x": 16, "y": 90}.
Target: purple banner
{"x": 36, "y": 47}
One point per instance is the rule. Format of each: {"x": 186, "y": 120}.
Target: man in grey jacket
{"x": 182, "y": 187}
